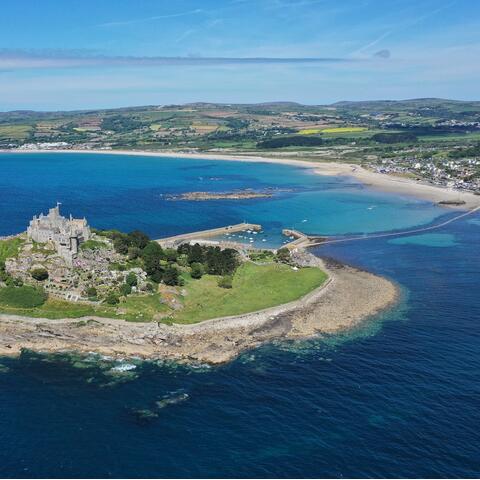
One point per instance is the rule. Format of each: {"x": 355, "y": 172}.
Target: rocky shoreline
{"x": 349, "y": 297}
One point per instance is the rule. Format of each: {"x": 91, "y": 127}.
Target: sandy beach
{"x": 349, "y": 297}
{"x": 378, "y": 181}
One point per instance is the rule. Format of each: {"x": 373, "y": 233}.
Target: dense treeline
{"x": 214, "y": 260}
{"x": 291, "y": 141}
{"x": 163, "y": 265}
{"x": 401, "y": 137}
{"x": 120, "y": 123}
{"x": 473, "y": 151}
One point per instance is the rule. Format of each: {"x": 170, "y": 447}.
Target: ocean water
{"x": 130, "y": 192}
{"x": 398, "y": 397}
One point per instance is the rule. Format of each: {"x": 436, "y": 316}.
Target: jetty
{"x": 175, "y": 241}
{"x": 301, "y": 240}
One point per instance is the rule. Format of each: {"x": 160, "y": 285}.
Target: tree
{"x": 131, "y": 280}
{"x": 138, "y": 239}
{"x": 39, "y": 274}
{"x": 171, "y": 276}
{"x": 195, "y": 254}
{"x": 197, "y": 270}
{"x": 230, "y": 261}
{"x": 121, "y": 244}
{"x": 152, "y": 255}
{"x": 171, "y": 254}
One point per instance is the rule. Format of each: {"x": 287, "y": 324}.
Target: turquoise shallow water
{"x": 126, "y": 192}
{"x": 397, "y": 397}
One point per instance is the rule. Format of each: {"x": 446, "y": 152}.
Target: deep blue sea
{"x": 399, "y": 397}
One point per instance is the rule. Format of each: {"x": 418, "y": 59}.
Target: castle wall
{"x": 65, "y": 234}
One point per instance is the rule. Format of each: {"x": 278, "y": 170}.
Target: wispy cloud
{"x": 153, "y": 18}
{"x": 32, "y": 59}
{"x": 402, "y": 27}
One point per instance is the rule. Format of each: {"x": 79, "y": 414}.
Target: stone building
{"x": 66, "y": 234}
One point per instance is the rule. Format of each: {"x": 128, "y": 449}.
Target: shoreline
{"x": 374, "y": 180}
{"x": 345, "y": 300}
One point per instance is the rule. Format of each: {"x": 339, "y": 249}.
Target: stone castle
{"x": 66, "y": 234}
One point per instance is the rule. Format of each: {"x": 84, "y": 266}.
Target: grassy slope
{"x": 9, "y": 248}
{"x": 254, "y": 287}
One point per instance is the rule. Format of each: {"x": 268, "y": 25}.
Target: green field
{"x": 22, "y": 297}
{"x": 255, "y": 287}
{"x": 15, "y": 132}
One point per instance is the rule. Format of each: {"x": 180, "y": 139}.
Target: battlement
{"x": 65, "y": 234}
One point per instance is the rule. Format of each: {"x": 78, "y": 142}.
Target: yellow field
{"x": 344, "y": 130}
{"x": 312, "y": 131}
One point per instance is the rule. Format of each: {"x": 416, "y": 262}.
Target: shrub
{"x": 225, "y": 281}
{"x": 197, "y": 270}
{"x": 112, "y": 298}
{"x": 134, "y": 252}
{"x": 131, "y": 280}
{"x": 171, "y": 276}
{"x": 125, "y": 289}
{"x": 171, "y": 254}
{"x": 121, "y": 245}
{"x": 283, "y": 255}
{"x": 25, "y": 296}
{"x": 91, "y": 292}
{"x": 39, "y": 274}
{"x": 138, "y": 239}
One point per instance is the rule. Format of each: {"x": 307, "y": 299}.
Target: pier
{"x": 175, "y": 241}
{"x": 302, "y": 240}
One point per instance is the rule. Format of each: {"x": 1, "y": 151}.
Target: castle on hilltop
{"x": 66, "y": 234}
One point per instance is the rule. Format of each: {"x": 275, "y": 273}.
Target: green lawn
{"x": 10, "y": 248}
{"x": 255, "y": 287}
{"x": 136, "y": 308}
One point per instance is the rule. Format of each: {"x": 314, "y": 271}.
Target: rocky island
{"x": 66, "y": 286}
{"x": 235, "y": 195}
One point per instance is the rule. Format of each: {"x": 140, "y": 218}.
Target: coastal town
{"x": 430, "y": 140}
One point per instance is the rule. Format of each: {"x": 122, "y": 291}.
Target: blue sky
{"x": 59, "y": 54}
